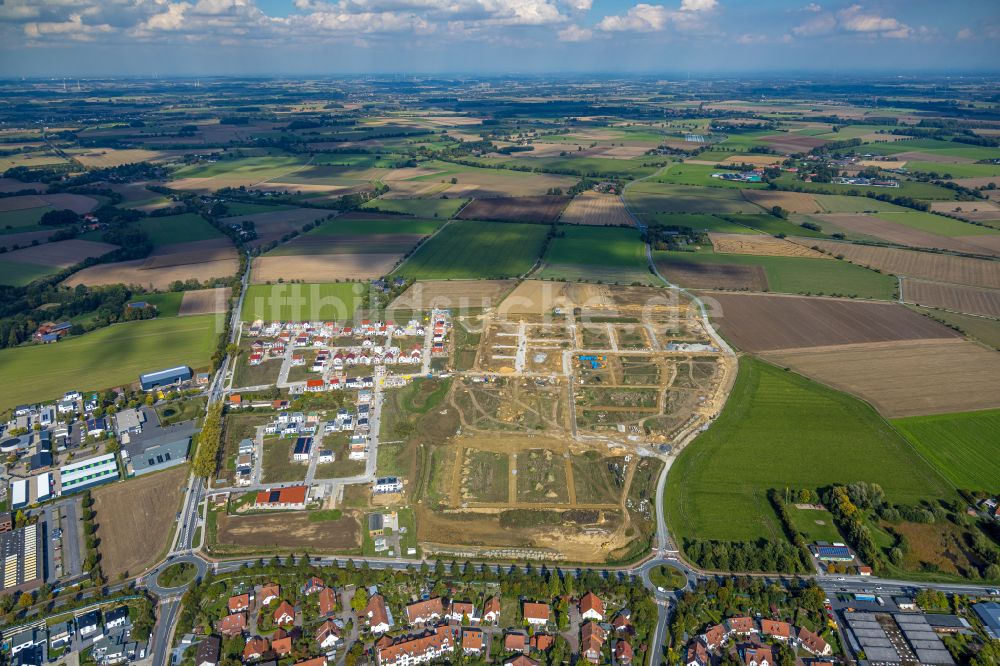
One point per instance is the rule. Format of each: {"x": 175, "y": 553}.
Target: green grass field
{"x": 396, "y": 224}
{"x": 107, "y": 357}
{"x": 25, "y": 219}
{"x": 168, "y": 304}
{"x": 956, "y": 170}
{"x": 714, "y": 223}
{"x": 937, "y": 224}
{"x": 467, "y": 249}
{"x": 840, "y": 203}
{"x": 254, "y": 168}
{"x": 234, "y": 208}
{"x": 781, "y": 430}
{"x": 985, "y": 330}
{"x": 769, "y": 224}
{"x": 907, "y": 188}
{"x": 814, "y": 524}
{"x": 434, "y": 208}
{"x": 178, "y": 229}
{"x": 302, "y": 302}
{"x": 699, "y": 174}
{"x": 606, "y": 254}
{"x": 952, "y": 148}
{"x": 800, "y": 275}
{"x": 963, "y": 446}
{"x": 650, "y": 198}
{"x": 20, "y": 273}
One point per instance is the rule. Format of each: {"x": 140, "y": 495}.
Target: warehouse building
{"x": 21, "y": 555}
{"x": 157, "y": 448}
{"x": 88, "y": 473}
{"x": 164, "y": 378}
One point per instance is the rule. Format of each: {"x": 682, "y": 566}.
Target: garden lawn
{"x": 962, "y": 446}
{"x": 471, "y": 249}
{"x": 328, "y": 301}
{"x": 780, "y": 430}
{"x": 105, "y": 358}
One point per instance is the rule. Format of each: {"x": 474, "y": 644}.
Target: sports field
{"x": 107, "y": 357}
{"x": 302, "y": 302}
{"x": 962, "y": 446}
{"x": 468, "y": 249}
{"x": 781, "y": 430}
{"x": 592, "y": 254}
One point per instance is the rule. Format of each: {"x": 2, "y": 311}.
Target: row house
{"x": 422, "y": 648}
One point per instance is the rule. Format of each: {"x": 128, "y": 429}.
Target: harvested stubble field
{"x": 793, "y": 202}
{"x": 322, "y": 268}
{"x": 921, "y": 265}
{"x": 134, "y": 519}
{"x": 487, "y": 183}
{"x": 544, "y": 209}
{"x": 321, "y": 244}
{"x": 205, "y": 301}
{"x": 204, "y": 261}
{"x": 760, "y": 322}
{"x": 953, "y": 297}
{"x": 956, "y": 236}
{"x": 594, "y": 208}
{"x": 894, "y": 376}
{"x": 452, "y": 294}
{"x": 650, "y": 198}
{"x": 284, "y": 531}
{"x": 760, "y": 244}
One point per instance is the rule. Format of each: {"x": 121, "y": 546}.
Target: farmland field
{"x": 646, "y": 198}
{"x": 184, "y": 228}
{"x": 434, "y": 208}
{"x": 593, "y": 208}
{"x": 979, "y": 328}
{"x": 152, "y": 500}
{"x": 302, "y": 302}
{"x": 757, "y": 322}
{"x": 205, "y": 301}
{"x": 205, "y": 261}
{"x": 888, "y": 227}
{"x": 468, "y": 249}
{"x": 955, "y": 297}
{"x": 893, "y": 376}
{"x": 596, "y": 254}
{"x": 20, "y": 267}
{"x": 961, "y": 446}
{"x": 761, "y": 244}
{"x": 544, "y": 209}
{"x": 776, "y": 430}
{"x": 247, "y": 172}
{"x": 105, "y": 358}
{"x": 453, "y": 294}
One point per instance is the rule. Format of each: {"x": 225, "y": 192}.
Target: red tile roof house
{"x": 781, "y": 631}
{"x": 284, "y": 614}
{"x": 491, "y": 610}
{"x": 520, "y": 660}
{"x": 268, "y": 593}
{"x": 282, "y": 646}
{"x": 515, "y": 642}
{"x": 813, "y": 643}
{"x": 757, "y": 655}
{"x": 715, "y": 636}
{"x": 315, "y": 661}
{"x": 697, "y": 654}
{"x": 623, "y": 653}
{"x": 327, "y": 602}
{"x": 232, "y": 625}
{"x": 741, "y": 626}
{"x": 460, "y": 611}
{"x": 472, "y": 641}
{"x": 328, "y": 634}
{"x": 377, "y": 615}
{"x": 623, "y": 623}
{"x": 408, "y": 650}
{"x": 313, "y": 585}
{"x": 239, "y": 602}
{"x": 422, "y": 612}
{"x": 256, "y": 648}
{"x": 591, "y": 641}
{"x": 542, "y": 642}
{"x": 536, "y": 614}
{"x": 291, "y": 498}
{"x": 591, "y": 607}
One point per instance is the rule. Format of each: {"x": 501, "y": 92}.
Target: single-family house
{"x": 425, "y": 611}
{"x": 813, "y": 643}
{"x": 472, "y": 641}
{"x": 536, "y": 614}
{"x": 462, "y": 611}
{"x": 623, "y": 653}
{"x": 491, "y": 610}
{"x": 239, "y": 602}
{"x": 284, "y": 614}
{"x": 697, "y": 654}
{"x": 328, "y": 634}
{"x": 592, "y": 638}
{"x": 781, "y": 631}
{"x": 591, "y": 607}
{"x": 327, "y": 602}
{"x": 377, "y": 615}
{"x": 207, "y": 652}
{"x": 255, "y": 648}
{"x": 232, "y": 625}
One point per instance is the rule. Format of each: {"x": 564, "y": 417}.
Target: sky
{"x": 94, "y": 38}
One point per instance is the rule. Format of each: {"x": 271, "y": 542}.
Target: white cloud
{"x": 855, "y": 20}
{"x": 579, "y": 5}
{"x": 816, "y": 26}
{"x": 698, "y": 5}
{"x": 574, "y": 33}
{"x": 812, "y": 7}
{"x": 641, "y": 18}
{"x": 965, "y": 33}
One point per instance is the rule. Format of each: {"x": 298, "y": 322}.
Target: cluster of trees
{"x": 92, "y": 563}
{"x": 798, "y": 540}
{"x": 760, "y": 555}
{"x": 850, "y": 520}
{"x": 209, "y": 441}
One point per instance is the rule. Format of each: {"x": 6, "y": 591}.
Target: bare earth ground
{"x": 545, "y": 209}
{"x": 483, "y": 184}
{"x": 21, "y": 202}
{"x": 135, "y": 520}
{"x": 14, "y": 185}
{"x": 201, "y": 260}
{"x": 24, "y": 238}
{"x": 322, "y": 268}
{"x": 61, "y": 253}
{"x": 541, "y": 297}
{"x": 895, "y": 376}
{"x": 761, "y": 245}
{"x": 454, "y": 294}
{"x": 77, "y": 203}
{"x": 914, "y": 264}
{"x": 761, "y": 322}
{"x": 792, "y": 143}
{"x": 205, "y": 301}
{"x": 288, "y": 530}
{"x": 594, "y": 208}
{"x": 699, "y": 275}
{"x": 794, "y": 202}
{"x": 952, "y": 297}
{"x": 979, "y": 182}
{"x": 869, "y": 225}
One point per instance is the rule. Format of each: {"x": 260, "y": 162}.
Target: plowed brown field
{"x": 904, "y": 378}
{"x": 322, "y": 268}
{"x": 760, "y": 322}
{"x": 205, "y": 301}
{"x": 545, "y": 209}
{"x": 952, "y": 297}
{"x": 869, "y": 225}
{"x": 698, "y": 275}
{"x": 923, "y": 265}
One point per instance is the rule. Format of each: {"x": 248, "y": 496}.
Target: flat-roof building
{"x": 19, "y": 494}
{"x": 22, "y": 558}
{"x": 166, "y": 377}
{"x": 88, "y": 473}
{"x": 989, "y": 613}
{"x": 157, "y": 448}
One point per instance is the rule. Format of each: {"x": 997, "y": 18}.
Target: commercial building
{"x": 157, "y": 448}
{"x": 163, "y": 378}
{"x": 88, "y": 473}
{"x": 21, "y": 553}
{"x": 989, "y": 613}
